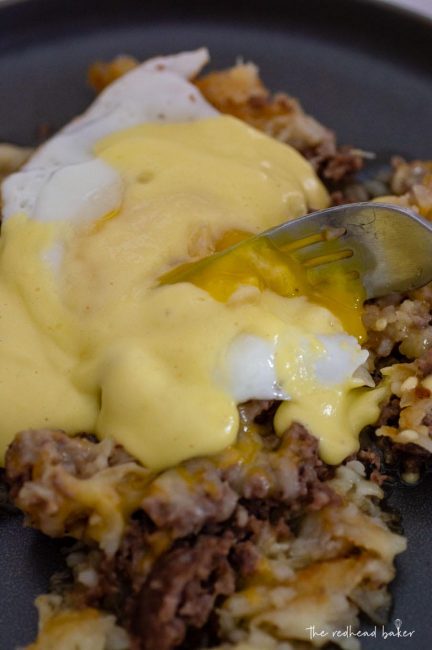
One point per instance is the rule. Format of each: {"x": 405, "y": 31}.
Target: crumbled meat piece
{"x": 390, "y": 412}
{"x": 202, "y": 493}
{"x": 181, "y": 591}
{"x": 246, "y": 557}
{"x": 184, "y": 501}
{"x": 35, "y": 450}
{"x": 334, "y": 164}
{"x": 72, "y": 486}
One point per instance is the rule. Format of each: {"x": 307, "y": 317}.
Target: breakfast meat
{"x": 72, "y": 486}
{"x": 400, "y": 342}
{"x": 52, "y": 477}
{"x": 191, "y": 570}
{"x": 243, "y": 548}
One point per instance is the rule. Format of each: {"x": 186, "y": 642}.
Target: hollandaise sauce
{"x": 91, "y": 340}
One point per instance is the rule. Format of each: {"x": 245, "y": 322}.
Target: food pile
{"x": 246, "y": 547}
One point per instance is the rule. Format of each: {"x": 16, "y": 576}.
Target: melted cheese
{"x": 94, "y": 342}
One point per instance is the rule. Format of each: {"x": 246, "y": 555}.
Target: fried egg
{"x": 150, "y": 178}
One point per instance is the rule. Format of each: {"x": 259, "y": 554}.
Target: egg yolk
{"x": 257, "y": 262}
{"x": 91, "y": 340}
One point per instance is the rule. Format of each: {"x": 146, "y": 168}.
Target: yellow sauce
{"x": 258, "y": 263}
{"x": 98, "y": 345}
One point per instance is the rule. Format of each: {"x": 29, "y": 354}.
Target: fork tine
{"x": 389, "y": 247}
{"x": 304, "y": 242}
{"x": 322, "y": 248}
{"x": 328, "y": 258}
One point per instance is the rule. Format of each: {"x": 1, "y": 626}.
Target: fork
{"x": 388, "y": 247}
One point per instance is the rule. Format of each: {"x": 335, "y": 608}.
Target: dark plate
{"x": 361, "y": 68}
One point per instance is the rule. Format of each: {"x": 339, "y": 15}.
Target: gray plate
{"x": 363, "y": 69}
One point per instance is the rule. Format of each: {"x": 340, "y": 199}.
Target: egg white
{"x": 156, "y": 91}
{"x": 65, "y": 181}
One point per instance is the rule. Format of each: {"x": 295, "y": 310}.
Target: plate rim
{"x": 385, "y": 6}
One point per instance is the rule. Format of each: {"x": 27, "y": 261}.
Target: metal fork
{"x": 387, "y": 246}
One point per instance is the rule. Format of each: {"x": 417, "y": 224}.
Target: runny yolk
{"x": 259, "y": 263}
